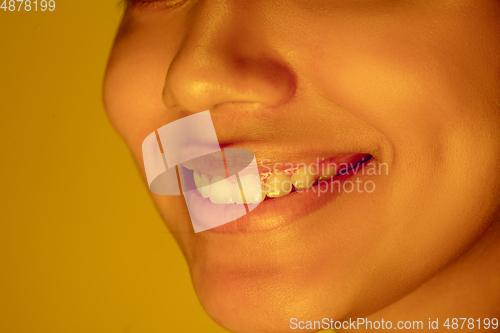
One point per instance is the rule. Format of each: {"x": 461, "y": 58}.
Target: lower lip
{"x": 279, "y": 212}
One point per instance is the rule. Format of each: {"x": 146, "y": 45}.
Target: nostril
{"x": 201, "y": 91}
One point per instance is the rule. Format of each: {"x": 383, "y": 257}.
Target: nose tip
{"x": 226, "y": 63}
{"x": 197, "y": 87}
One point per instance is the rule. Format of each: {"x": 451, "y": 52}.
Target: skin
{"x": 417, "y": 79}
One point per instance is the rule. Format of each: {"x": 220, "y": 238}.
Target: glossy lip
{"x": 339, "y": 162}
{"x": 276, "y": 213}
{"x": 210, "y": 166}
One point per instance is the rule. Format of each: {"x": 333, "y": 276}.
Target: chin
{"x": 265, "y": 303}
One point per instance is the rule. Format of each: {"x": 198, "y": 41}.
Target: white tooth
{"x": 204, "y": 188}
{"x": 265, "y": 190}
{"x": 252, "y": 188}
{"x": 221, "y": 190}
{"x": 197, "y": 180}
{"x": 237, "y": 195}
{"x": 304, "y": 177}
{"x": 279, "y": 185}
{"x": 327, "y": 172}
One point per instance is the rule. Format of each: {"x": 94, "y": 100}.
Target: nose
{"x": 226, "y": 57}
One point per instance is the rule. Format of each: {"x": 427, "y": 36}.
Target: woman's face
{"x": 415, "y": 83}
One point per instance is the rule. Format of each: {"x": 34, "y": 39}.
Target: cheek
{"x": 393, "y": 87}
{"x": 433, "y": 92}
{"x": 127, "y": 99}
{"x": 434, "y": 96}
{"x": 135, "y": 78}
{"x": 423, "y": 73}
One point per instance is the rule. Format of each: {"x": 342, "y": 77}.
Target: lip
{"x": 279, "y": 212}
{"x": 285, "y": 160}
{"x": 339, "y": 162}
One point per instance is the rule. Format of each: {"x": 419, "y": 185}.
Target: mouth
{"x": 282, "y": 193}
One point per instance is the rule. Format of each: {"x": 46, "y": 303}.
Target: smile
{"x": 280, "y": 197}
{"x": 276, "y": 182}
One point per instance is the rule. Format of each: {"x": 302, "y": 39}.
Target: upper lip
{"x": 269, "y": 157}
{"x": 279, "y": 138}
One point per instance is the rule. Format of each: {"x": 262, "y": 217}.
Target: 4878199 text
{"x": 28, "y": 5}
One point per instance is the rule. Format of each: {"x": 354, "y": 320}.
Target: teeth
{"x": 252, "y": 188}
{"x": 280, "y": 185}
{"x": 197, "y": 180}
{"x": 204, "y": 188}
{"x": 265, "y": 189}
{"x": 221, "y": 190}
{"x": 238, "y": 194}
{"x": 329, "y": 172}
{"x": 305, "y": 177}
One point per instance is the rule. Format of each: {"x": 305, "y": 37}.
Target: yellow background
{"x": 82, "y": 248}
